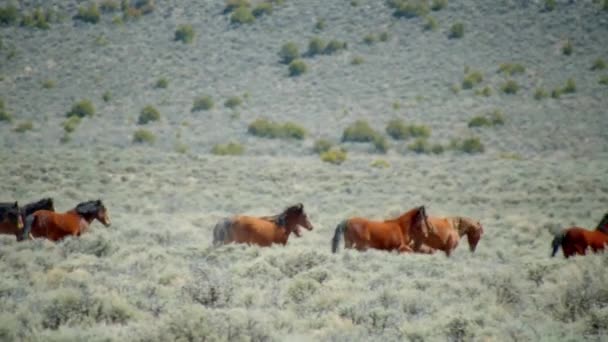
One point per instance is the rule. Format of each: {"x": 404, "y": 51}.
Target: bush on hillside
{"x": 242, "y": 15}
{"x": 106, "y": 96}
{"x": 472, "y": 79}
{"x": 469, "y": 145}
{"x": 540, "y": 94}
{"x": 369, "y": 39}
{"x": 420, "y": 145}
{"x": 316, "y": 46}
{"x": 322, "y": 145}
{"x": 357, "y": 60}
{"x": 24, "y": 126}
{"x": 485, "y": 91}
{"x": 88, "y": 14}
{"x": 81, "y": 109}
{"x": 9, "y": 15}
{"x": 598, "y": 64}
{"x": 359, "y": 131}
{"x": 269, "y": 129}
{"x": 511, "y": 68}
{"x": 494, "y": 118}
{"x": 570, "y": 86}
{"x": 109, "y": 6}
{"x": 229, "y": 149}
{"x": 603, "y": 80}
{"x": 264, "y": 8}
{"x": 38, "y": 19}
{"x": 567, "y": 48}
{"x": 430, "y": 23}
{"x": 334, "y": 156}
{"x": 409, "y": 8}
{"x": 456, "y": 31}
{"x": 232, "y": 5}
{"x": 4, "y": 115}
{"x": 334, "y": 46}
{"x": 71, "y": 123}
{"x": 398, "y": 130}
{"x": 549, "y": 5}
{"x": 161, "y": 83}
{"x": 289, "y": 51}
{"x": 143, "y": 136}
{"x": 510, "y": 87}
{"x": 232, "y": 102}
{"x": 204, "y": 102}
{"x": 184, "y": 33}
{"x": 297, "y": 67}
{"x": 148, "y": 114}
{"x": 438, "y": 5}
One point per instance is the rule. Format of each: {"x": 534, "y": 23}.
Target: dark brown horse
{"x": 10, "y": 219}
{"x": 55, "y": 226}
{"x": 577, "y": 240}
{"x": 29, "y": 209}
{"x": 262, "y": 231}
{"x": 404, "y": 233}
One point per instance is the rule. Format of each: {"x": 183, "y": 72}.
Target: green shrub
{"x": 88, "y": 14}
{"x": 540, "y": 94}
{"x": 510, "y": 87}
{"x": 438, "y": 5}
{"x": 511, "y": 68}
{"x": 570, "y": 86}
{"x": 322, "y": 145}
{"x": 316, "y": 46}
{"x": 4, "y": 115}
{"x": 229, "y": 149}
{"x": 148, "y": 114}
{"x": 232, "y": 102}
{"x": 232, "y": 5}
{"x": 242, "y": 15}
{"x": 108, "y": 6}
{"x": 470, "y": 145}
{"x": 567, "y": 48}
{"x": 144, "y": 136}
{"x": 605, "y": 5}
{"x": 479, "y": 121}
{"x": 369, "y": 39}
{"x": 334, "y": 156}
{"x": 24, "y": 126}
{"x": 456, "y": 31}
{"x": 598, "y": 64}
{"x": 70, "y": 124}
{"x": 430, "y": 23}
{"x": 398, "y": 130}
{"x": 359, "y": 131}
{"x": 81, "y": 109}
{"x": 497, "y": 118}
{"x": 380, "y": 164}
{"x": 136, "y": 8}
{"x": 603, "y": 80}
{"x": 9, "y": 15}
{"x": 204, "y": 102}
{"x": 384, "y": 36}
{"x": 269, "y": 129}
{"x": 37, "y": 19}
{"x": 357, "y": 60}
{"x": 264, "y": 8}
{"x": 106, "y": 96}
{"x": 334, "y": 46}
{"x": 289, "y": 52}
{"x": 297, "y": 67}
{"x": 485, "y": 91}
{"x": 380, "y": 143}
{"x": 420, "y": 145}
{"x": 162, "y": 83}
{"x": 48, "y": 84}
{"x": 437, "y": 149}
{"x": 409, "y": 8}
{"x": 184, "y": 33}
{"x": 472, "y": 79}
{"x": 320, "y": 24}
{"x": 549, "y": 5}
{"x": 556, "y": 93}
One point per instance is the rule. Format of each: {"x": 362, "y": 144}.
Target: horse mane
{"x": 89, "y": 207}
{"x": 469, "y": 225}
{"x": 603, "y": 225}
{"x": 34, "y": 206}
{"x": 7, "y": 207}
{"x": 281, "y": 219}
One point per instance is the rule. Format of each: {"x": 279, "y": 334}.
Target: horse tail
{"x": 27, "y": 228}
{"x": 220, "y": 231}
{"x": 557, "y": 242}
{"x": 335, "y": 241}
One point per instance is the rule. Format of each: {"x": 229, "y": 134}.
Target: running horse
{"x": 576, "y": 240}
{"x": 10, "y": 218}
{"x": 447, "y": 232}
{"x": 404, "y": 233}
{"x": 29, "y": 209}
{"x": 55, "y": 226}
{"x": 262, "y": 231}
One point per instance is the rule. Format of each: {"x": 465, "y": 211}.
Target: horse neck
{"x": 405, "y": 220}
{"x": 87, "y": 217}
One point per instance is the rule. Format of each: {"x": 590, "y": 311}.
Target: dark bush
{"x": 297, "y": 67}
{"x": 359, "y": 131}
{"x": 264, "y": 8}
{"x": 289, "y": 52}
{"x": 81, "y": 109}
{"x": 456, "y": 31}
{"x": 322, "y": 145}
{"x": 334, "y": 156}
{"x": 229, "y": 149}
{"x": 9, "y": 15}
{"x": 510, "y": 87}
{"x": 144, "y": 136}
{"x": 204, "y": 102}
{"x": 334, "y": 46}
{"x": 269, "y": 129}
{"x": 184, "y": 33}
{"x": 148, "y": 114}
{"x": 242, "y": 15}
{"x": 232, "y": 102}
{"x": 88, "y": 14}
{"x": 162, "y": 83}
{"x": 316, "y": 46}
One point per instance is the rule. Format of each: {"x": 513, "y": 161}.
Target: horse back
{"x": 254, "y": 230}
{"x": 55, "y": 226}
{"x": 577, "y": 240}
{"x": 375, "y": 234}
{"x": 445, "y": 233}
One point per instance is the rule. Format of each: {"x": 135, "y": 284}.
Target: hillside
{"x": 153, "y": 275}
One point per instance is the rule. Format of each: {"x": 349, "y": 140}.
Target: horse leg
{"x": 405, "y": 249}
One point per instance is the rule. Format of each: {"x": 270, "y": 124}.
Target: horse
{"x": 404, "y": 233}
{"x": 55, "y": 226}
{"x": 30, "y": 208}
{"x": 262, "y": 231}
{"x": 448, "y": 231}
{"x": 576, "y": 240}
{"x": 10, "y": 219}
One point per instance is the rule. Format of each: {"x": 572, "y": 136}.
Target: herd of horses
{"x": 411, "y": 232}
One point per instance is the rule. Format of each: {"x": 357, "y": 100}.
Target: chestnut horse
{"x": 576, "y": 240}
{"x": 447, "y": 232}
{"x": 262, "y": 231}
{"x": 29, "y": 209}
{"x": 55, "y": 226}
{"x": 10, "y": 219}
{"x": 404, "y": 233}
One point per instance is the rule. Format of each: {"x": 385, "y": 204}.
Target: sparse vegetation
{"x": 4, "y": 115}
{"x": 359, "y": 131}
{"x": 289, "y": 52}
{"x": 556, "y": 93}
{"x": 494, "y": 118}
{"x": 570, "y": 86}
{"x": 456, "y": 31}
{"x": 357, "y": 60}
{"x": 320, "y": 24}
{"x": 229, "y": 149}
{"x": 384, "y": 36}
{"x": 510, "y": 87}
{"x": 297, "y": 67}
{"x": 88, "y": 14}
{"x": 485, "y": 91}
{"x": 472, "y": 79}
{"x": 409, "y": 8}
{"x": 184, "y": 33}
{"x": 334, "y": 46}
{"x": 264, "y": 8}
{"x": 603, "y": 80}
{"x": 567, "y": 48}
{"x": 161, "y": 83}
{"x": 438, "y": 5}
{"x": 233, "y": 102}
{"x": 204, "y": 102}
{"x": 380, "y": 164}
{"x": 232, "y": 5}
{"x": 420, "y": 145}
{"x": 37, "y": 19}
{"x": 316, "y": 46}
{"x": 106, "y": 96}
{"x": 335, "y": 156}
{"x": 109, "y": 6}
{"x": 242, "y": 15}
{"x": 9, "y": 15}
{"x": 48, "y": 84}
{"x": 430, "y": 23}
{"x": 24, "y": 126}
{"x": 511, "y": 69}
{"x": 148, "y": 114}
{"x": 380, "y": 143}
{"x": 598, "y": 64}
{"x": 71, "y": 123}
{"x": 144, "y": 136}
{"x": 549, "y": 5}
{"x": 540, "y": 94}
{"x": 269, "y": 129}
{"x": 398, "y": 130}
{"x": 81, "y": 109}
{"x": 322, "y": 145}
{"x": 469, "y": 145}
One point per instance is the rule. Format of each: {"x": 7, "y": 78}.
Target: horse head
{"x": 603, "y": 225}
{"x": 295, "y": 217}
{"x": 12, "y": 213}
{"x": 94, "y": 210}
{"x": 474, "y": 231}
{"x": 420, "y": 221}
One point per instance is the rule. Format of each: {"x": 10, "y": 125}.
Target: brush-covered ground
{"x": 153, "y": 274}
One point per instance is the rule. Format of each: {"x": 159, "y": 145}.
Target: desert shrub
{"x": 320, "y": 24}
{"x": 567, "y": 48}
{"x": 598, "y": 64}
{"x": 455, "y": 88}
{"x": 472, "y": 79}
{"x": 409, "y": 8}
{"x": 380, "y": 143}
{"x": 497, "y": 117}
{"x": 71, "y": 123}
{"x": 106, "y": 96}
{"x": 242, "y": 15}
{"x": 556, "y": 93}
{"x": 357, "y": 60}
{"x": 438, "y": 5}
{"x": 420, "y": 145}
{"x": 148, "y": 114}
{"x": 24, "y": 126}
{"x": 204, "y": 102}
{"x": 430, "y": 23}
{"x": 269, "y": 129}
{"x": 334, "y": 156}
{"x": 570, "y": 86}
{"x": 540, "y": 94}
{"x": 398, "y": 130}
{"x": 38, "y": 19}
{"x": 229, "y": 149}
{"x": 48, "y": 84}
{"x": 297, "y": 67}
{"x": 380, "y": 164}
{"x": 469, "y": 145}
{"x": 232, "y": 102}
{"x": 459, "y": 329}
{"x": 485, "y": 91}
{"x": 264, "y": 8}
{"x": 88, "y": 14}
{"x": 603, "y": 80}
{"x": 359, "y": 131}
{"x": 316, "y": 46}
{"x": 605, "y": 5}
{"x": 9, "y": 15}
{"x": 369, "y": 39}
{"x": 322, "y": 145}
{"x": 456, "y": 31}
{"x": 4, "y": 115}
{"x": 384, "y": 36}
{"x": 81, "y": 109}
{"x": 289, "y": 52}
{"x": 184, "y": 33}
{"x": 510, "y": 87}
{"x": 334, "y": 46}
{"x": 136, "y": 8}
{"x": 108, "y": 6}
{"x": 549, "y": 5}
{"x": 161, "y": 83}
{"x": 299, "y": 290}
{"x": 437, "y": 149}
{"x": 232, "y": 5}
{"x": 511, "y": 68}
{"x": 144, "y": 136}
{"x": 479, "y": 121}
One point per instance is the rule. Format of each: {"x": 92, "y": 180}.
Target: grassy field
{"x": 154, "y": 276}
